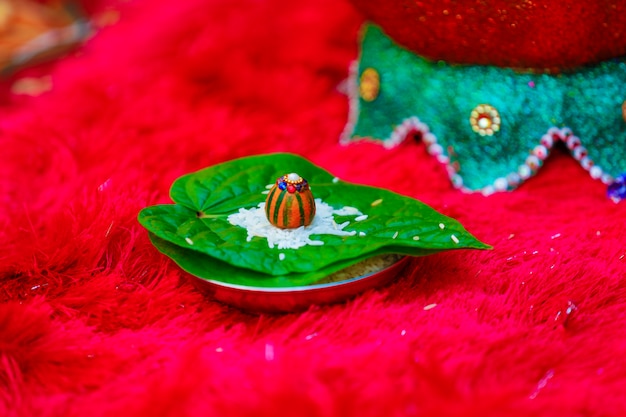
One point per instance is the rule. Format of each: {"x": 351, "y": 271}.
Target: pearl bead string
{"x": 413, "y": 126}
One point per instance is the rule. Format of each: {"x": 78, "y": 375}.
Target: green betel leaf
{"x": 388, "y": 223}
{"x": 207, "y": 267}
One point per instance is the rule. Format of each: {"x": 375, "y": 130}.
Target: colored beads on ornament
{"x": 617, "y": 189}
{"x": 369, "y": 87}
{"x": 290, "y": 203}
{"x": 485, "y": 120}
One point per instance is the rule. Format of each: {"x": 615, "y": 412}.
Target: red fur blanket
{"x": 95, "y": 322}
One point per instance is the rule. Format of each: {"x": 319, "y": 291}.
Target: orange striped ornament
{"x": 290, "y": 203}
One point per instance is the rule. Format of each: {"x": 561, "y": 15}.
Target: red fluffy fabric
{"x": 94, "y": 321}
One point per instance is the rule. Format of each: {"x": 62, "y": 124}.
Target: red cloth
{"x": 94, "y": 321}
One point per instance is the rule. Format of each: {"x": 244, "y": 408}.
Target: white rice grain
{"x": 346, "y": 211}
{"x": 257, "y": 225}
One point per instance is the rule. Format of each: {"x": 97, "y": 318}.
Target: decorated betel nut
{"x": 290, "y": 203}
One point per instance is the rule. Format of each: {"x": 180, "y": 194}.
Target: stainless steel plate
{"x": 290, "y": 299}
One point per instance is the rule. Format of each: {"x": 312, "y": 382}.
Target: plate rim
{"x": 306, "y": 288}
